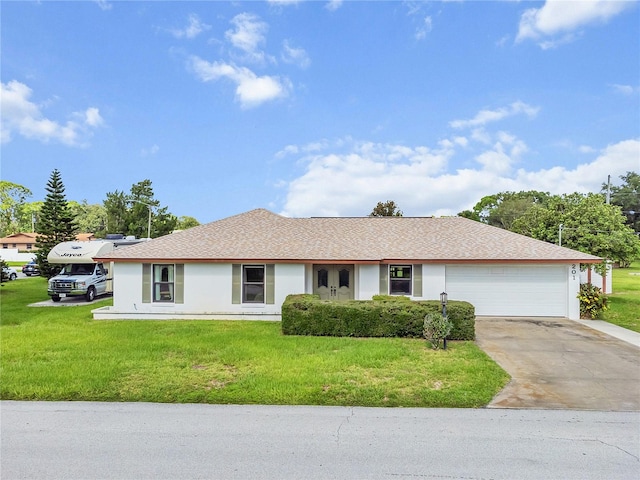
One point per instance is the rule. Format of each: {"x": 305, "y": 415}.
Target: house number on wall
{"x": 574, "y": 270}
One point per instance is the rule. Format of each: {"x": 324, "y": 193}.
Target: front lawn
{"x": 624, "y": 302}
{"x": 61, "y": 353}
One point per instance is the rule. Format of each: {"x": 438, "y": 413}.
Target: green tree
{"x": 130, "y": 214}
{"x": 386, "y": 209}
{"x": 12, "y": 204}
{"x": 116, "y": 207}
{"x": 504, "y": 208}
{"x": 141, "y": 205}
{"x": 186, "y": 222}
{"x": 56, "y": 223}
{"x": 627, "y": 196}
{"x": 163, "y": 222}
{"x": 89, "y": 218}
{"x": 582, "y": 222}
{"x": 29, "y": 216}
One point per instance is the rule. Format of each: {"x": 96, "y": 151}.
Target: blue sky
{"x": 316, "y": 108}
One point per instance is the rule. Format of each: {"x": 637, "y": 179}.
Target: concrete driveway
{"x": 556, "y": 363}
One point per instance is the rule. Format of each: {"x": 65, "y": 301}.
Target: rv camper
{"x": 80, "y": 275}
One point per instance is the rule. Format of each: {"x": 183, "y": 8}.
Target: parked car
{"x": 9, "y": 273}
{"x": 31, "y": 268}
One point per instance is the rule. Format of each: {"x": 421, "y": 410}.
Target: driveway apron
{"x": 556, "y": 363}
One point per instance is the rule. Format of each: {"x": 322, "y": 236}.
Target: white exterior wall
{"x": 368, "y": 281}
{"x": 573, "y": 289}
{"x": 14, "y": 255}
{"x": 207, "y": 294}
{"x": 433, "y": 281}
{"x": 208, "y": 290}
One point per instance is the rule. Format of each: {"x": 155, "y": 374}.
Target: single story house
{"x": 22, "y": 241}
{"x": 26, "y": 241}
{"x": 244, "y": 266}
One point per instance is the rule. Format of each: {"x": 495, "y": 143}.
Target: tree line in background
{"x": 583, "y": 222}
{"x": 604, "y": 224}
{"x": 124, "y": 213}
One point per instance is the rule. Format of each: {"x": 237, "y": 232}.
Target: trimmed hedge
{"x": 385, "y": 316}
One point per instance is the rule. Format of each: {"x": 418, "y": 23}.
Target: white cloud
{"x": 145, "y": 152}
{"x": 92, "y": 117}
{"x": 348, "y": 178}
{"x": 333, "y": 5}
{"x": 248, "y": 36}
{"x": 614, "y": 160}
{"x": 251, "y": 90}
{"x": 357, "y": 173}
{"x": 487, "y": 116}
{"x": 295, "y": 55}
{"x": 586, "y": 149}
{"x": 506, "y": 151}
{"x": 104, "y": 5}
{"x": 625, "y": 89}
{"x": 283, "y": 3}
{"x": 194, "y": 28}
{"x": 562, "y": 18}
{"x": 424, "y": 29}
{"x": 20, "y": 115}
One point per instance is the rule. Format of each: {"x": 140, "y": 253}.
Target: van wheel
{"x": 55, "y": 298}
{"x": 91, "y": 294}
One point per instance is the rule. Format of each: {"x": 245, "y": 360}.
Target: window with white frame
{"x": 400, "y": 279}
{"x": 253, "y": 283}
{"x": 163, "y": 282}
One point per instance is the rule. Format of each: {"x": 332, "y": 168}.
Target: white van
{"x": 80, "y": 275}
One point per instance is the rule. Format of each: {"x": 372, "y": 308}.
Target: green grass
{"x": 624, "y": 302}
{"x": 60, "y": 353}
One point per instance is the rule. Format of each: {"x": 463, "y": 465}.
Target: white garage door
{"x": 524, "y": 291}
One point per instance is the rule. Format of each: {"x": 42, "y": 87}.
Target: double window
{"x": 400, "y": 279}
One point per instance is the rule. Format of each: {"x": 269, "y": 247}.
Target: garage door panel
{"x": 510, "y": 290}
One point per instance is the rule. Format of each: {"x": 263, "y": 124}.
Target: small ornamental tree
{"x": 56, "y": 224}
{"x": 436, "y": 329}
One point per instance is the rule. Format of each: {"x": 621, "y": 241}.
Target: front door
{"x": 333, "y": 282}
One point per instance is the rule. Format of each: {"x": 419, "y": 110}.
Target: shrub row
{"x": 384, "y": 316}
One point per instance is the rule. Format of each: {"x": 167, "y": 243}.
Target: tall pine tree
{"x": 55, "y": 224}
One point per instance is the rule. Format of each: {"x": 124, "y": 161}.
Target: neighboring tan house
{"x": 244, "y": 266}
{"x": 27, "y": 241}
{"x": 21, "y": 241}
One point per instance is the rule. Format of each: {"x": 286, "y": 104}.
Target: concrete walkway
{"x": 556, "y": 363}
{"x": 615, "y": 331}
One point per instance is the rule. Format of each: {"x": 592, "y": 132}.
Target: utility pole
{"x": 608, "y": 201}
{"x": 560, "y": 227}
{"x": 149, "y": 226}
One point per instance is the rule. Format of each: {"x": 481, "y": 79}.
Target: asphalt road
{"x": 79, "y": 440}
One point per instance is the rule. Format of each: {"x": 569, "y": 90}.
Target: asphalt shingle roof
{"x": 260, "y": 235}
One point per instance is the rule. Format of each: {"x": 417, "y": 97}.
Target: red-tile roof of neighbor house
{"x": 260, "y": 235}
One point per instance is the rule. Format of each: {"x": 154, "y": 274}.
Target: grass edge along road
{"x": 624, "y": 302}
{"x": 61, "y": 353}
